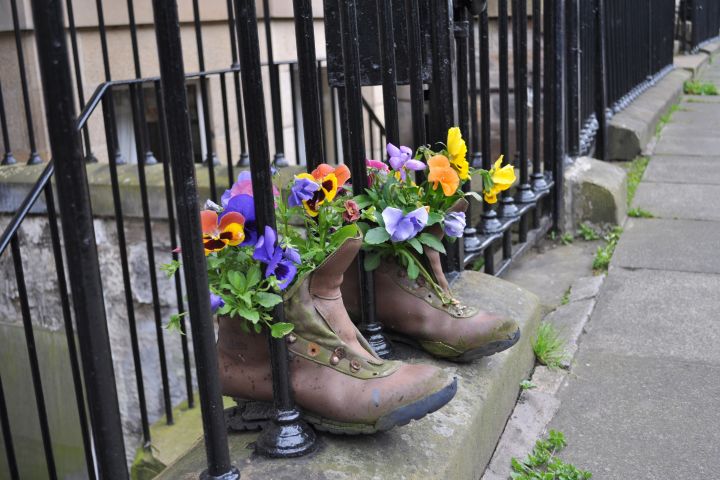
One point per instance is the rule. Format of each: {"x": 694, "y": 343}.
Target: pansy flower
{"x": 375, "y": 167}
{"x": 216, "y": 302}
{"x": 402, "y": 226}
{"x": 245, "y": 206}
{"x": 229, "y": 230}
{"x": 457, "y": 149}
{"x": 502, "y": 177}
{"x": 401, "y": 160}
{"x": 279, "y": 262}
{"x": 454, "y": 224}
{"x": 330, "y": 181}
{"x": 302, "y": 190}
{"x": 441, "y": 173}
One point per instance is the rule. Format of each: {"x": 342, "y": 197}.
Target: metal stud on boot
{"x": 338, "y": 382}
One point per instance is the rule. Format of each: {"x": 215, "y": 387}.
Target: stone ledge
{"x": 632, "y": 129}
{"x": 454, "y": 443}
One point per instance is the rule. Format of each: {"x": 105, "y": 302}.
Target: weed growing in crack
{"x": 549, "y": 348}
{"x": 543, "y": 463}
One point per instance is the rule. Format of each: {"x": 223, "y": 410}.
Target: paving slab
{"x": 662, "y": 244}
{"x": 679, "y": 169}
{"x": 680, "y": 201}
{"x": 455, "y": 442}
{"x": 641, "y": 418}
{"x": 664, "y": 314}
{"x": 684, "y": 145}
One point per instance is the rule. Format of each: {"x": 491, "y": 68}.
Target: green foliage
{"x": 478, "y": 265}
{"x": 567, "y": 238}
{"x": 527, "y": 385}
{"x": 543, "y": 464}
{"x": 566, "y": 297}
{"x": 664, "y": 119}
{"x": 636, "y": 171}
{"x": 639, "y": 213}
{"x": 174, "y": 324}
{"x": 604, "y": 254}
{"x": 588, "y": 233}
{"x": 694, "y": 87}
{"x": 170, "y": 268}
{"x": 549, "y": 348}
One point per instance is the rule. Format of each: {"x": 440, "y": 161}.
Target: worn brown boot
{"x": 338, "y": 382}
{"x": 413, "y": 312}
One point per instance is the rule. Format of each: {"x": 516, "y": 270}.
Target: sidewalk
{"x": 643, "y": 399}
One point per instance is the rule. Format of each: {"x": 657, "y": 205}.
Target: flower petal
{"x": 391, "y": 217}
{"x": 209, "y": 221}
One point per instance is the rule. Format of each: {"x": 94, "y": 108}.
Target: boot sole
{"x": 485, "y": 351}
{"x": 399, "y": 417}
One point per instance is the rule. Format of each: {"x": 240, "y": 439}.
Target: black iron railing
{"x": 558, "y": 84}
{"x": 698, "y": 23}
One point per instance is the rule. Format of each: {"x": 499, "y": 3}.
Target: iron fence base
{"x": 233, "y": 474}
{"x": 471, "y": 241}
{"x": 377, "y": 340}
{"x": 286, "y": 436}
{"x": 280, "y": 160}
{"x": 244, "y": 160}
{"x": 8, "y": 159}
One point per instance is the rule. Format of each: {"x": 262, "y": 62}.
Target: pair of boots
{"x": 339, "y": 383}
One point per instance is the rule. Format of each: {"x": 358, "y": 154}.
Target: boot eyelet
{"x": 334, "y": 360}
{"x": 354, "y": 365}
{"x": 339, "y": 352}
{"x": 313, "y": 349}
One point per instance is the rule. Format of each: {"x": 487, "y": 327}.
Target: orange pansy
{"x": 442, "y": 173}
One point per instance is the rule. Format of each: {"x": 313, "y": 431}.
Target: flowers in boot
{"x": 416, "y": 216}
{"x": 454, "y": 224}
{"x": 313, "y": 189}
{"x": 230, "y": 230}
{"x": 401, "y": 226}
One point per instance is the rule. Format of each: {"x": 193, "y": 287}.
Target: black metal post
{"x": 89, "y": 157}
{"x": 34, "y": 158}
{"x": 559, "y": 119}
{"x": 309, "y": 84}
{"x": 524, "y": 191}
{"x": 354, "y": 146}
{"x": 573, "y": 77}
{"x": 79, "y": 236}
{"x": 386, "y": 36}
{"x": 244, "y": 158}
{"x": 539, "y": 182}
{"x": 279, "y": 159}
{"x": 415, "y": 66}
{"x": 8, "y": 157}
{"x": 172, "y": 74}
{"x": 142, "y": 135}
{"x": 507, "y": 209}
{"x": 288, "y": 435}
{"x": 600, "y": 79}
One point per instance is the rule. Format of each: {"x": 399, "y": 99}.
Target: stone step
{"x": 455, "y": 442}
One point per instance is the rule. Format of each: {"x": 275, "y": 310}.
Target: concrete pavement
{"x": 643, "y": 399}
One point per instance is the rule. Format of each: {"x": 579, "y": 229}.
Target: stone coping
{"x": 455, "y": 442}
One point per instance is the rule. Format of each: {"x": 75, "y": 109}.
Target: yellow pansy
{"x": 457, "y": 149}
{"x": 502, "y": 177}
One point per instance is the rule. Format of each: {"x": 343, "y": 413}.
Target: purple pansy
{"x": 244, "y": 205}
{"x": 302, "y": 190}
{"x": 455, "y": 224}
{"x": 280, "y": 263}
{"x": 401, "y": 160}
{"x": 403, "y": 226}
{"x": 216, "y": 302}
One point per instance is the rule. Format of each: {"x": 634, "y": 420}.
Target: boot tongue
{"x": 326, "y": 279}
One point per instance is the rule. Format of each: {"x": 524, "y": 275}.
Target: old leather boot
{"x": 338, "y": 382}
{"x": 412, "y": 311}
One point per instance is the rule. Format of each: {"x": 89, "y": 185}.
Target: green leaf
{"x": 268, "y": 300}
{"x": 432, "y": 242}
{"x": 246, "y": 297}
{"x": 174, "y": 325}
{"x": 371, "y": 261}
{"x": 279, "y": 330}
{"x": 253, "y": 276}
{"x": 415, "y": 243}
{"x": 238, "y": 282}
{"x": 170, "y": 268}
{"x": 434, "y": 218}
{"x": 376, "y": 236}
{"x": 413, "y": 270}
{"x": 224, "y": 310}
{"x": 363, "y": 201}
{"x": 248, "y": 313}
{"x": 348, "y": 231}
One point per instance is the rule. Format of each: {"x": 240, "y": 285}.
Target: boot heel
{"x": 248, "y": 415}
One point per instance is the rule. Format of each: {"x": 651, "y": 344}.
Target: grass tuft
{"x": 693, "y": 87}
{"x": 636, "y": 170}
{"x": 639, "y": 213}
{"x": 665, "y": 119}
{"x": 549, "y": 348}
{"x": 588, "y": 233}
{"x": 604, "y": 254}
{"x": 527, "y": 385}
{"x": 543, "y": 463}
